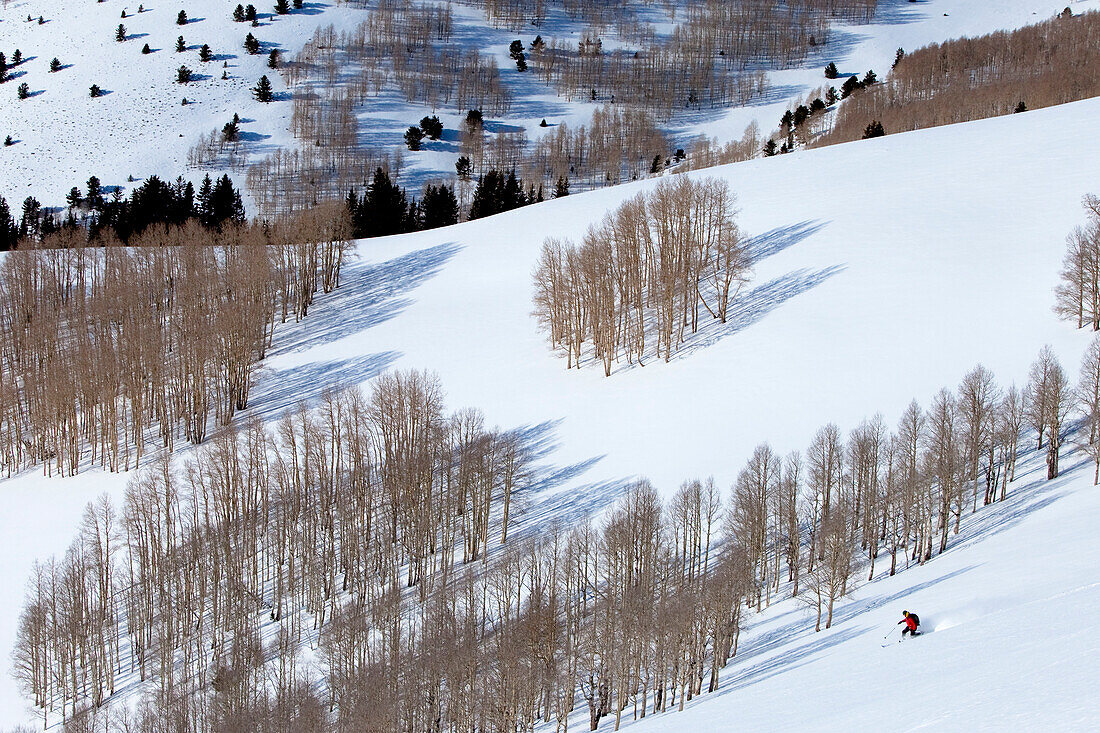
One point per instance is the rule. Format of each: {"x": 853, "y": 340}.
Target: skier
{"x": 911, "y": 623}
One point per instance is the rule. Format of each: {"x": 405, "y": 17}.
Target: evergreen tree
{"x": 851, "y": 85}
{"x": 282, "y": 7}
{"x": 898, "y": 57}
{"x": 120, "y": 34}
{"x": 769, "y": 148}
{"x": 439, "y": 207}
{"x": 24, "y": 91}
{"x": 463, "y": 168}
{"x": 474, "y": 120}
{"x": 17, "y": 57}
{"x": 432, "y": 127}
{"x": 55, "y": 65}
{"x": 873, "y": 130}
{"x": 1020, "y": 107}
{"x": 223, "y": 204}
{"x": 262, "y": 90}
{"x": 273, "y": 59}
{"x": 831, "y": 96}
{"x": 230, "y": 132}
{"x": 146, "y": 50}
{"x": 831, "y": 71}
{"x": 180, "y": 45}
{"x": 73, "y": 198}
{"x": 251, "y": 45}
{"x": 801, "y": 114}
{"x": 496, "y": 193}
{"x": 413, "y": 137}
{"x": 562, "y": 187}
{"x": 183, "y": 75}
{"x": 385, "y": 207}
{"x": 181, "y": 19}
{"x": 869, "y": 79}
{"x": 250, "y": 13}
{"x": 95, "y": 193}
{"x": 95, "y": 91}
{"x": 3, "y": 67}
{"x": 32, "y": 217}
{"x": 205, "y": 54}
{"x": 9, "y": 232}
{"x": 238, "y": 14}
{"x": 8, "y": 142}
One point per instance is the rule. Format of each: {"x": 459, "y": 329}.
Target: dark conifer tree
{"x": 562, "y": 187}
{"x": 55, "y": 65}
{"x": 262, "y": 90}
{"x": 181, "y": 19}
{"x": 873, "y": 130}
{"x": 413, "y": 137}
{"x": 9, "y": 232}
{"x": 282, "y": 7}
{"x": 180, "y": 45}
{"x": 385, "y": 207}
{"x": 463, "y": 168}
{"x": 205, "y": 54}
{"x": 238, "y": 14}
{"x": 831, "y": 71}
{"x": 251, "y": 45}
{"x": 432, "y": 127}
{"x": 851, "y": 85}
{"x": 439, "y": 207}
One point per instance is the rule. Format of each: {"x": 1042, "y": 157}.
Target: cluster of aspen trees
{"x": 374, "y": 530}
{"x": 107, "y": 350}
{"x": 638, "y": 282}
{"x": 619, "y": 144}
{"x": 706, "y": 152}
{"x": 1077, "y": 296}
{"x": 1053, "y": 62}
{"x": 704, "y": 61}
{"x": 713, "y": 57}
{"x": 290, "y": 181}
{"x": 365, "y": 504}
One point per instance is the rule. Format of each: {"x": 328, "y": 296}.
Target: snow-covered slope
{"x": 140, "y": 128}
{"x": 1007, "y": 644}
{"x": 887, "y": 268}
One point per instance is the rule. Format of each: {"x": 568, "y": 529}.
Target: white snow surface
{"x": 887, "y": 268}
{"x": 140, "y": 128}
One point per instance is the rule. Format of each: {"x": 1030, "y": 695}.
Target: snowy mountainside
{"x": 1006, "y": 642}
{"x": 886, "y": 269}
{"x": 139, "y": 127}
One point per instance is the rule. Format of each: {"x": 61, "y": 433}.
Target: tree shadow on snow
{"x": 369, "y": 294}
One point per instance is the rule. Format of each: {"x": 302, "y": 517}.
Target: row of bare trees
{"x": 375, "y": 530}
{"x": 1077, "y": 296}
{"x": 644, "y": 274}
{"x": 105, "y": 350}
{"x": 337, "y": 508}
{"x": 1053, "y": 62}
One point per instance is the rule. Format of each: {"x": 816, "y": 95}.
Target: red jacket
{"x": 911, "y": 622}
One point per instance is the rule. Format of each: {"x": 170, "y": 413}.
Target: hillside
{"x": 886, "y": 269}
{"x": 140, "y": 128}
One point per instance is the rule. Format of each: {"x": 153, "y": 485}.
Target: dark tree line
{"x": 154, "y": 202}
